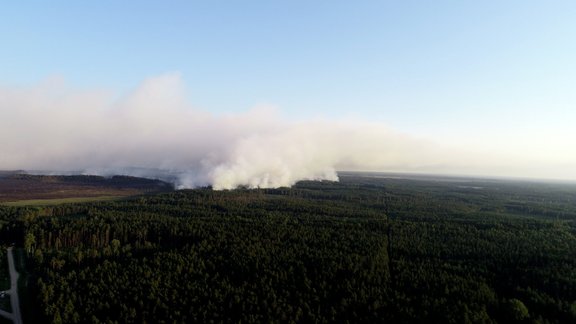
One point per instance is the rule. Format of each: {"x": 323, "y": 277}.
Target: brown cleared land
{"x": 22, "y": 187}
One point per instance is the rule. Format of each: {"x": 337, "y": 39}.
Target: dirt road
{"x": 15, "y": 316}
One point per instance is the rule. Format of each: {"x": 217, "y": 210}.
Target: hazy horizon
{"x": 266, "y": 94}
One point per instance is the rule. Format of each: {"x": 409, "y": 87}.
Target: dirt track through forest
{"x": 15, "y": 316}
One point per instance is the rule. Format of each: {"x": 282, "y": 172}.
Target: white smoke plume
{"x": 154, "y": 132}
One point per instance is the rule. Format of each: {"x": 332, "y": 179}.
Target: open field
{"x": 17, "y": 189}
{"x": 58, "y": 201}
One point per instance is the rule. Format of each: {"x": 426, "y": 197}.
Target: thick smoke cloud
{"x": 153, "y": 131}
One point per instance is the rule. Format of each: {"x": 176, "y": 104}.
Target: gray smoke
{"x": 153, "y": 131}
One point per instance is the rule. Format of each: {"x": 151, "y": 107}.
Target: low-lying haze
{"x": 155, "y": 131}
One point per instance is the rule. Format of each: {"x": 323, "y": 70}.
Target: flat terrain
{"x": 25, "y": 189}
{"x": 371, "y": 248}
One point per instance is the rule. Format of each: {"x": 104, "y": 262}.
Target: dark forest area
{"x": 365, "y": 249}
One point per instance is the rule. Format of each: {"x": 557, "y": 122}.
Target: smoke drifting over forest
{"x": 154, "y": 131}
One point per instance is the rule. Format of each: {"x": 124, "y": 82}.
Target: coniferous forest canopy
{"x": 365, "y": 249}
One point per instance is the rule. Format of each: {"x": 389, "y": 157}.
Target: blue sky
{"x": 468, "y": 71}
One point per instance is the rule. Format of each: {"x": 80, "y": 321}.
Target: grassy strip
{"x": 58, "y": 201}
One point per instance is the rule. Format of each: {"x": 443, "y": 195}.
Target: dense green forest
{"x": 365, "y": 249}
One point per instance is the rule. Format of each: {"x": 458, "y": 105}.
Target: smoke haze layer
{"x": 154, "y": 131}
